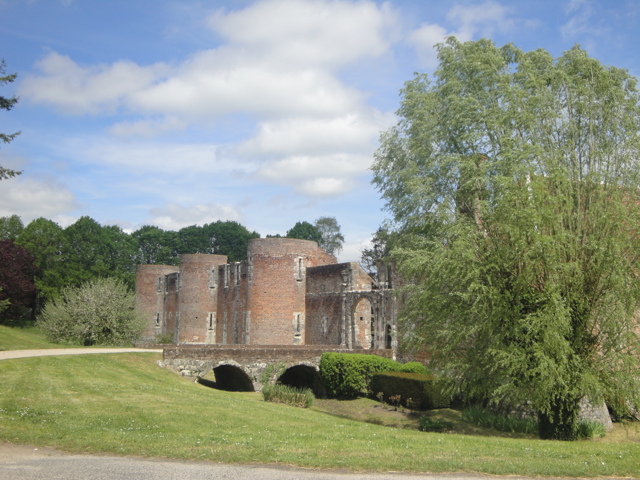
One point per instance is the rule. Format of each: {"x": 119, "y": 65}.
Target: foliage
{"x": 590, "y": 429}
{"x": 10, "y": 227}
{"x": 512, "y": 179}
{"x": 100, "y": 312}
{"x": 478, "y": 415}
{"x": 350, "y": 374}
{"x": 17, "y": 287}
{"x": 46, "y": 242}
{"x": 428, "y": 424}
{"x": 304, "y": 231}
{"x": 412, "y": 390}
{"x": 7, "y": 104}
{"x": 91, "y": 250}
{"x": 331, "y": 239}
{"x": 277, "y": 393}
{"x": 380, "y": 248}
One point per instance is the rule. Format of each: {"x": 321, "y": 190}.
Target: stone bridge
{"x": 249, "y": 367}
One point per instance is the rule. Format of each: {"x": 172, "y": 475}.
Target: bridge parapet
{"x": 260, "y": 363}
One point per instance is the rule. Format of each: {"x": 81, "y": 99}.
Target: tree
{"x": 45, "y": 240}
{"x": 100, "y": 312}
{"x": 91, "y": 250}
{"x": 10, "y": 227}
{"x": 155, "y": 246}
{"x": 229, "y": 238}
{"x": 331, "y": 239}
{"x": 521, "y": 172}
{"x": 380, "y": 248}
{"x": 7, "y": 104}
{"x": 17, "y": 272}
{"x": 304, "y": 231}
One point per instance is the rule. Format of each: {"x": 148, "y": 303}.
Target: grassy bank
{"x": 27, "y": 338}
{"x": 125, "y": 404}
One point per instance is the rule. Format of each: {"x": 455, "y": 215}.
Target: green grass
{"x": 296, "y": 397}
{"x": 125, "y": 404}
{"x": 26, "y": 338}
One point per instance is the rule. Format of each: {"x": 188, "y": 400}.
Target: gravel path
{"x": 8, "y": 354}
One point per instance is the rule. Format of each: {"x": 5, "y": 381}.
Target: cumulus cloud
{"x": 174, "y": 217}
{"x": 69, "y": 87}
{"x": 468, "y": 21}
{"x": 30, "y": 199}
{"x": 327, "y": 33}
{"x": 278, "y": 67}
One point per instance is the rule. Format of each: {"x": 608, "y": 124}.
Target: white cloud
{"x": 213, "y": 84}
{"x": 30, "y": 199}
{"x": 469, "y": 21}
{"x": 482, "y": 19}
{"x": 174, "y": 217}
{"x": 326, "y": 33}
{"x": 69, "y": 87}
{"x": 347, "y": 133}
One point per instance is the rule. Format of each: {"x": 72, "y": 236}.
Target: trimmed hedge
{"x": 350, "y": 374}
{"x": 412, "y": 390}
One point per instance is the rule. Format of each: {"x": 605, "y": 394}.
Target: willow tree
{"x": 524, "y": 171}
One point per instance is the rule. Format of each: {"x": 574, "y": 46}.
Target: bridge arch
{"x": 232, "y": 378}
{"x": 303, "y": 376}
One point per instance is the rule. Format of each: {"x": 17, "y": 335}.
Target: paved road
{"x": 8, "y": 354}
{"x": 28, "y": 463}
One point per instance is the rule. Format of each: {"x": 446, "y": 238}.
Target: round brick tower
{"x": 277, "y": 288}
{"x": 150, "y": 297}
{"x": 197, "y": 297}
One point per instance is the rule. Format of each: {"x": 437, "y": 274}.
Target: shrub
{"x": 482, "y": 417}
{"x": 100, "y": 312}
{"x": 413, "y": 390}
{"x": 426, "y": 424}
{"x": 278, "y": 393}
{"x": 349, "y": 374}
{"x": 413, "y": 367}
{"x": 590, "y": 429}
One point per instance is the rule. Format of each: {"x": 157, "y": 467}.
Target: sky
{"x": 176, "y": 113}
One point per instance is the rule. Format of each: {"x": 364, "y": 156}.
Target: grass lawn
{"x": 27, "y": 338}
{"x": 125, "y": 404}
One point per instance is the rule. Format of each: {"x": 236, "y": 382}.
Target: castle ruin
{"x": 287, "y": 292}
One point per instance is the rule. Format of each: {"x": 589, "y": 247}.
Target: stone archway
{"x": 303, "y": 376}
{"x": 232, "y": 378}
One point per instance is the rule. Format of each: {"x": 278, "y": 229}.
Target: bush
{"x": 482, "y": 417}
{"x": 100, "y": 312}
{"x": 590, "y": 429}
{"x": 413, "y": 390}
{"x": 350, "y": 374}
{"x": 278, "y": 393}
{"x": 426, "y": 424}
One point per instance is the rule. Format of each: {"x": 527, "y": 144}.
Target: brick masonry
{"x": 287, "y": 292}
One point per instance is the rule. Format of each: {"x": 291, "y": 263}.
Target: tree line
{"x": 39, "y": 260}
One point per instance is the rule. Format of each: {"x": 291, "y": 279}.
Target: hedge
{"x": 412, "y": 390}
{"x": 350, "y": 374}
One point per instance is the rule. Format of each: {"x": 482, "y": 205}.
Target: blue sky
{"x": 176, "y": 113}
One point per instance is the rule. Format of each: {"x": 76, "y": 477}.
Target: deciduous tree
{"x": 524, "y": 171}
{"x": 304, "y": 231}
{"x": 17, "y": 279}
{"x": 331, "y": 239}
{"x": 99, "y": 312}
